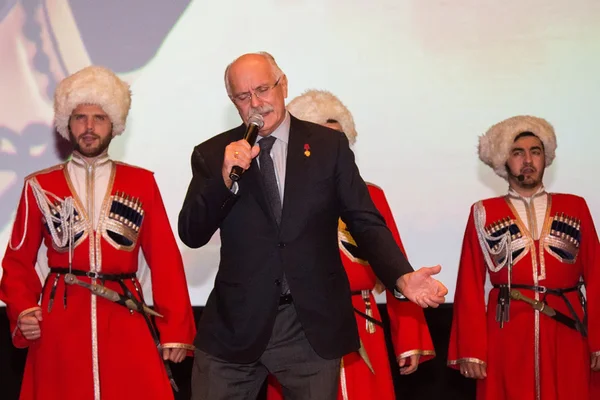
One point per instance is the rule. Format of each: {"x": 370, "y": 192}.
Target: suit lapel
{"x": 296, "y": 172}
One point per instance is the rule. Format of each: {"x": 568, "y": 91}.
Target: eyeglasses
{"x": 261, "y": 92}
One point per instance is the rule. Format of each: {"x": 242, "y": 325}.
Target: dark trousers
{"x": 302, "y": 373}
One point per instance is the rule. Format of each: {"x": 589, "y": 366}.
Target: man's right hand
{"x": 237, "y": 153}
{"x": 473, "y": 370}
{"x": 29, "y": 325}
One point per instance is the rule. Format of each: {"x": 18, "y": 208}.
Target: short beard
{"x": 91, "y": 153}
{"x": 525, "y": 184}
{"x": 528, "y": 185}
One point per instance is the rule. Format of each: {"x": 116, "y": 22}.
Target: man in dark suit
{"x": 281, "y": 300}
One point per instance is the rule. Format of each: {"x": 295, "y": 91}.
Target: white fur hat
{"x": 494, "y": 146}
{"x": 318, "y": 106}
{"x": 92, "y": 85}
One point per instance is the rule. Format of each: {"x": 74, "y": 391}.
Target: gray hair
{"x": 275, "y": 70}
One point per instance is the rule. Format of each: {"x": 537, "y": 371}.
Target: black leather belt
{"x": 93, "y": 275}
{"x": 119, "y": 279}
{"x": 362, "y": 314}
{"x": 542, "y": 289}
{"x": 285, "y": 299}
{"x": 573, "y": 321}
{"x": 369, "y": 318}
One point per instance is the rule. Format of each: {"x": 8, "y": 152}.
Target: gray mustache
{"x": 261, "y": 110}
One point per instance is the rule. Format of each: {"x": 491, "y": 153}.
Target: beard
{"x": 97, "y": 147}
{"x": 532, "y": 181}
{"x": 529, "y": 185}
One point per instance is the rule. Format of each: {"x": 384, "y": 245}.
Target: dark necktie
{"x": 267, "y": 170}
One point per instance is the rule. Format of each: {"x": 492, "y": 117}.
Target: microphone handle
{"x": 250, "y": 137}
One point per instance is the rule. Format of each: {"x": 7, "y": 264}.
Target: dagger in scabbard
{"x": 111, "y": 295}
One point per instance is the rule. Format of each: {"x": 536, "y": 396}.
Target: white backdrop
{"x": 422, "y": 78}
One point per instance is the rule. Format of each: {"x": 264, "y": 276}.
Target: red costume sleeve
{"x": 468, "y": 337}
{"x": 169, "y": 287}
{"x": 590, "y": 253}
{"x": 21, "y": 288}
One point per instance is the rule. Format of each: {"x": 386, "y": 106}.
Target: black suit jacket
{"x": 237, "y": 321}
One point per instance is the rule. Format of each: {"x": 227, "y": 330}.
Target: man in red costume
{"x": 366, "y": 374}
{"x": 89, "y": 333}
{"x": 537, "y": 249}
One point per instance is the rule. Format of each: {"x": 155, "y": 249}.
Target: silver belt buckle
{"x": 91, "y": 274}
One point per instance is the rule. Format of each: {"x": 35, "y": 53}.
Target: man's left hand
{"x": 174, "y": 355}
{"x": 409, "y": 364}
{"x": 421, "y": 288}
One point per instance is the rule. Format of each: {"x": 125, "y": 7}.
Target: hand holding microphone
{"x": 238, "y": 155}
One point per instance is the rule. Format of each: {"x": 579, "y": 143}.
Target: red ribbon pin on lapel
{"x": 306, "y": 150}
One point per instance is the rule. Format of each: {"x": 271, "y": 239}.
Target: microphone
{"x": 519, "y": 177}
{"x": 255, "y": 122}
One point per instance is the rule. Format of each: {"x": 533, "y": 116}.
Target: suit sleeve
{"x": 468, "y": 336}
{"x": 409, "y": 330}
{"x": 207, "y": 202}
{"x": 20, "y": 287}
{"x": 365, "y": 223}
{"x": 169, "y": 287}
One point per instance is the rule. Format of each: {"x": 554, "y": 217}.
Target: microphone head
{"x": 257, "y": 120}
{"x": 521, "y": 178}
